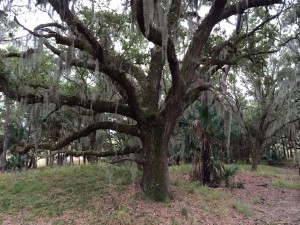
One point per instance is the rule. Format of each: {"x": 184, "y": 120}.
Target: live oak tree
{"x": 272, "y": 85}
{"x": 273, "y": 102}
{"x": 141, "y": 92}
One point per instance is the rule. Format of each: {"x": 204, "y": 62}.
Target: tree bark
{"x": 155, "y": 180}
{"x": 197, "y": 169}
{"x": 5, "y": 136}
{"x": 256, "y": 152}
{"x": 206, "y": 161}
{"x": 91, "y": 158}
{"x": 254, "y": 160}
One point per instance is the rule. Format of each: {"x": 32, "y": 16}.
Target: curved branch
{"x": 58, "y": 38}
{"x": 151, "y": 96}
{"x": 118, "y": 62}
{"x": 245, "y": 4}
{"x": 191, "y": 62}
{"x": 116, "y": 70}
{"x": 96, "y": 105}
{"x": 24, "y": 54}
{"x": 127, "y": 150}
{"x": 282, "y": 127}
{"x": 62, "y": 8}
{"x": 115, "y": 73}
{"x": 155, "y": 35}
{"x": 127, "y": 129}
{"x": 193, "y": 93}
{"x": 139, "y": 160}
{"x": 41, "y": 26}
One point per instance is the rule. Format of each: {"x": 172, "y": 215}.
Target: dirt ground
{"x": 267, "y": 205}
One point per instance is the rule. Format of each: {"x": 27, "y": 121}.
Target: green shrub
{"x": 229, "y": 172}
{"x": 222, "y": 172}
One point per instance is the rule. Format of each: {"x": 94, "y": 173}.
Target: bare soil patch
{"x": 270, "y": 205}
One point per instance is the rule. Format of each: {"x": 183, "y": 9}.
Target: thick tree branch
{"x": 128, "y": 129}
{"x": 139, "y": 160}
{"x": 240, "y": 7}
{"x": 235, "y": 55}
{"x": 118, "y": 61}
{"x": 24, "y": 54}
{"x": 193, "y": 93}
{"x": 42, "y": 26}
{"x": 155, "y": 35}
{"x": 152, "y": 92}
{"x": 58, "y": 38}
{"x": 127, "y": 150}
{"x": 190, "y": 61}
{"x": 112, "y": 70}
{"x": 96, "y": 105}
{"x": 62, "y": 8}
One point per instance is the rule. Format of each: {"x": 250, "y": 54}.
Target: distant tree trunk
{"x": 5, "y": 135}
{"x": 206, "y": 161}
{"x": 34, "y": 160}
{"x": 60, "y": 159}
{"x": 286, "y": 154}
{"x": 285, "y": 150}
{"x": 1, "y": 149}
{"x": 47, "y": 159}
{"x": 291, "y": 152}
{"x": 290, "y": 145}
{"x": 197, "y": 168}
{"x": 254, "y": 160}
{"x": 221, "y": 156}
{"x": 201, "y": 162}
{"x": 30, "y": 163}
{"x": 51, "y": 160}
{"x": 26, "y": 161}
{"x": 256, "y": 152}
{"x": 91, "y": 158}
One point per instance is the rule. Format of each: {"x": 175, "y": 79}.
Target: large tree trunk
{"x": 155, "y": 181}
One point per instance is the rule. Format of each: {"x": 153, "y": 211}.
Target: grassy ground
{"x": 278, "y": 175}
{"x": 51, "y": 192}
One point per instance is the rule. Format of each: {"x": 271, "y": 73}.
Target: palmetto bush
{"x": 222, "y": 172}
